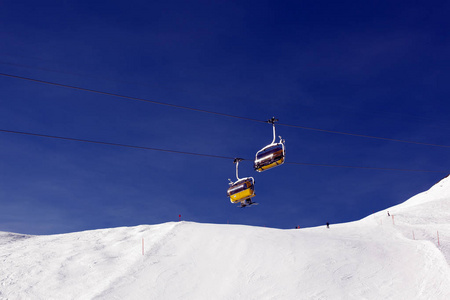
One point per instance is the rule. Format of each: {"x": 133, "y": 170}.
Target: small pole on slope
{"x": 142, "y": 246}
{"x": 393, "y": 220}
{"x": 438, "y": 238}
{"x": 413, "y": 235}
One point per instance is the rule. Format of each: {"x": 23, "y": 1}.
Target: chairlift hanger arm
{"x": 272, "y": 121}
{"x": 236, "y": 161}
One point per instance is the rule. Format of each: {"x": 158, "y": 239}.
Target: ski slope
{"x": 378, "y": 257}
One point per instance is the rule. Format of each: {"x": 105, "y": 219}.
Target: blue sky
{"x": 377, "y": 68}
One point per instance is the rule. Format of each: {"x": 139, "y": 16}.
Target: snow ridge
{"x": 403, "y": 255}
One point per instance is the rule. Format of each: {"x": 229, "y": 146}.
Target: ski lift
{"x": 243, "y": 189}
{"x": 271, "y": 155}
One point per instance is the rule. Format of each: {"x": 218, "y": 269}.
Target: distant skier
{"x": 328, "y": 225}
{"x": 388, "y": 214}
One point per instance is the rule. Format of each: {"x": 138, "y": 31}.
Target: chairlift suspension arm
{"x": 272, "y": 121}
{"x": 237, "y": 170}
{"x": 274, "y": 135}
{"x": 236, "y": 161}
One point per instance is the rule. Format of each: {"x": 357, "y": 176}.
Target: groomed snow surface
{"x": 380, "y": 257}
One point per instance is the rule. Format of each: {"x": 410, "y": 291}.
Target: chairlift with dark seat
{"x": 271, "y": 155}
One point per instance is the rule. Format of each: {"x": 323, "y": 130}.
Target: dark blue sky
{"x": 370, "y": 68}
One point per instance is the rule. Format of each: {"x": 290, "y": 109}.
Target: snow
{"x": 378, "y": 257}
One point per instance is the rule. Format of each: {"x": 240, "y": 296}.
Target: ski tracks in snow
{"x": 154, "y": 237}
{"x": 78, "y": 265}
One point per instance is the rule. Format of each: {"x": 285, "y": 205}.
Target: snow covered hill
{"x": 378, "y": 257}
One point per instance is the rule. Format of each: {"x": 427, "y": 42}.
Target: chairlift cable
{"x": 129, "y": 97}
{"x": 113, "y": 144}
{"x": 72, "y": 73}
{"x": 365, "y": 168}
{"x": 364, "y": 136}
{"x": 203, "y": 154}
{"x": 222, "y": 114}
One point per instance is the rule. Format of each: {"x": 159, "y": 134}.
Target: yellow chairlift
{"x": 243, "y": 189}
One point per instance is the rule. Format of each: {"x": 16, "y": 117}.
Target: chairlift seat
{"x": 270, "y": 156}
{"x": 241, "y": 190}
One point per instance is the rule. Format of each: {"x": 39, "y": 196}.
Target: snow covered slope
{"x": 379, "y": 257}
